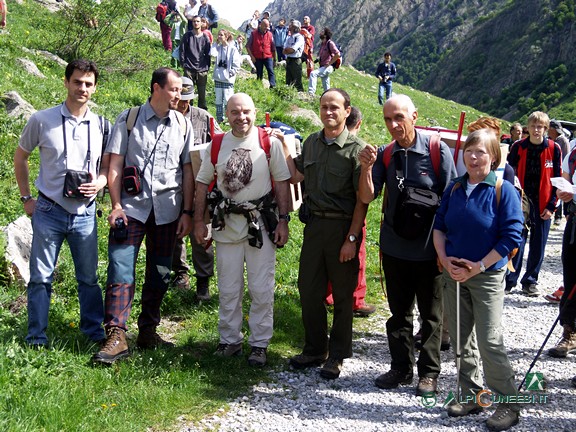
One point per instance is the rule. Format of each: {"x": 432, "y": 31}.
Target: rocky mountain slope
{"x": 508, "y": 57}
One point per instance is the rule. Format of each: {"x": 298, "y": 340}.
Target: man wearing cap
{"x": 152, "y": 192}
{"x": 195, "y": 58}
{"x": 70, "y": 138}
{"x": 202, "y": 257}
{"x": 293, "y": 48}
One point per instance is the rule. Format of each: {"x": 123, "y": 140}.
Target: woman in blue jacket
{"x": 478, "y": 224}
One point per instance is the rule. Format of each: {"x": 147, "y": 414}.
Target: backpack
{"x": 337, "y": 63}
{"x": 263, "y": 139}
{"x": 161, "y": 11}
{"x": 435, "y": 153}
{"x": 308, "y": 43}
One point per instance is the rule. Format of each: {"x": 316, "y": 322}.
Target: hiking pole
{"x": 548, "y": 336}
{"x": 458, "y": 350}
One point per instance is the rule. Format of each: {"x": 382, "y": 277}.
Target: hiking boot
{"x": 555, "y": 296}
{"x": 530, "y": 290}
{"x": 461, "y": 410}
{"x": 202, "y": 291}
{"x": 182, "y": 281}
{"x": 503, "y": 418}
{"x": 426, "y": 385}
{"x": 114, "y": 348}
{"x": 566, "y": 345}
{"x": 303, "y": 361}
{"x": 228, "y": 350}
{"x": 364, "y": 311}
{"x": 508, "y": 288}
{"x": 149, "y": 339}
{"x": 393, "y": 378}
{"x": 331, "y": 369}
{"x": 257, "y": 357}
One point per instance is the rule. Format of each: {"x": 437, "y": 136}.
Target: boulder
{"x": 47, "y": 55}
{"x": 31, "y": 67}
{"x": 18, "y": 236}
{"x": 151, "y": 33}
{"x": 311, "y": 116}
{"x": 16, "y": 106}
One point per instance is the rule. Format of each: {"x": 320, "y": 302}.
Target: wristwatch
{"x": 482, "y": 267}
{"x": 24, "y": 199}
{"x": 286, "y": 217}
{"x": 188, "y": 212}
{"x": 352, "y": 238}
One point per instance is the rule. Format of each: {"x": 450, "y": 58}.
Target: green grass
{"x": 59, "y": 389}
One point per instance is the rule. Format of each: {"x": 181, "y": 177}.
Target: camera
{"x": 119, "y": 232}
{"x": 222, "y": 64}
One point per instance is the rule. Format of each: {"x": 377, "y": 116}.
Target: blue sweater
{"x": 476, "y": 224}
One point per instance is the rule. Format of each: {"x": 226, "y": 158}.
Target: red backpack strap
{"x": 387, "y": 154}
{"x": 435, "y": 153}
{"x": 214, "y": 151}
{"x": 264, "y": 140}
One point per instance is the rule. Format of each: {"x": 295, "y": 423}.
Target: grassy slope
{"x": 59, "y": 389}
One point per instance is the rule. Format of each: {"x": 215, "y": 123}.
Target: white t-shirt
{"x": 243, "y": 175}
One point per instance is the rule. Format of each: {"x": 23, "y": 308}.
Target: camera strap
{"x": 147, "y": 160}
{"x": 66, "y": 144}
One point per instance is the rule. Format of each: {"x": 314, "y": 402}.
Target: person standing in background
{"x": 280, "y": 35}
{"x": 386, "y": 72}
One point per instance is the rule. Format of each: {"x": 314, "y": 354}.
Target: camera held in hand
{"x": 119, "y": 232}
{"x": 223, "y": 64}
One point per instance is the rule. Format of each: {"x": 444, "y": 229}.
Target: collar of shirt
{"x": 340, "y": 139}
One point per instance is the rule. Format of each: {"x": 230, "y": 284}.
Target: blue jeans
{"x": 324, "y": 73}
{"x": 538, "y": 238}
{"x": 384, "y": 86}
{"x": 51, "y": 225}
{"x": 267, "y": 63}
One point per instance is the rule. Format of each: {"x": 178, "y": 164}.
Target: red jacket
{"x": 262, "y": 45}
{"x": 550, "y": 166}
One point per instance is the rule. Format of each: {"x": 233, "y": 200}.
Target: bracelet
{"x": 188, "y": 212}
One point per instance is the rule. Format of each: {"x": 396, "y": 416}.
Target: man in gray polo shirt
{"x": 69, "y": 137}
{"x": 158, "y": 144}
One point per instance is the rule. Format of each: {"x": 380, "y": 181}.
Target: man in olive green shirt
{"x": 329, "y": 165}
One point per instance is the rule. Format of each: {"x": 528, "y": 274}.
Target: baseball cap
{"x": 555, "y": 124}
{"x": 187, "y": 89}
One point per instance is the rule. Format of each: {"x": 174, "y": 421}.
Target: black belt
{"x": 293, "y": 58}
{"x": 332, "y": 215}
{"x": 51, "y": 201}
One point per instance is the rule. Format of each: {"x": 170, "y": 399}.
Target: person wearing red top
{"x": 262, "y": 51}
{"x": 535, "y": 159}
{"x": 327, "y": 56}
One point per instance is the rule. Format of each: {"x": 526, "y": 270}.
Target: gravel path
{"x": 302, "y": 401}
